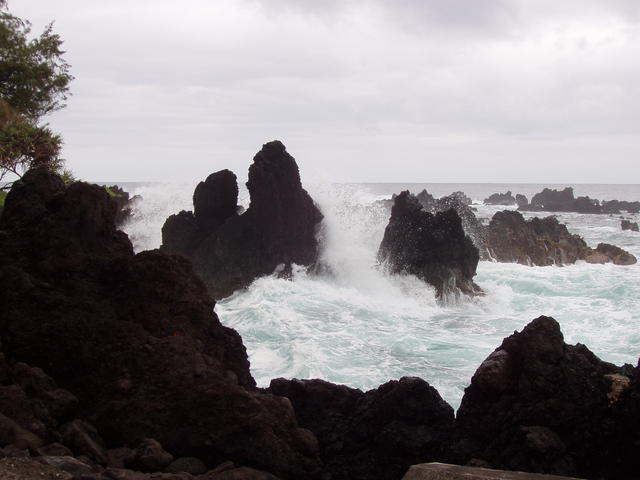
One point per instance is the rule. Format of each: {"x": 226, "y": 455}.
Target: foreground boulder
{"x": 433, "y": 247}
{"x": 537, "y": 404}
{"x": 372, "y": 435}
{"x": 500, "y": 199}
{"x": 543, "y": 241}
{"x": 133, "y": 337}
{"x": 229, "y": 251}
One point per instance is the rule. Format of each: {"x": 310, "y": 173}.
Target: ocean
{"x": 361, "y": 327}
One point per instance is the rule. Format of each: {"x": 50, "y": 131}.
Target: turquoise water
{"x": 361, "y": 327}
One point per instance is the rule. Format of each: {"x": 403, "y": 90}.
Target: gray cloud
{"x": 360, "y": 90}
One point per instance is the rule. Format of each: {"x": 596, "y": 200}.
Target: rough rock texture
{"x": 563, "y": 201}
{"x": 443, "y": 471}
{"x": 432, "y": 247}
{"x": 124, "y": 203}
{"x": 372, "y": 435}
{"x": 615, "y": 254}
{"x": 461, "y": 204}
{"x": 133, "y": 337}
{"x": 229, "y": 251}
{"x": 543, "y": 241}
{"x": 628, "y": 225}
{"x": 537, "y": 404}
{"x": 500, "y": 199}
{"x": 521, "y": 200}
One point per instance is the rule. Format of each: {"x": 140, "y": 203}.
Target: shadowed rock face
{"x": 551, "y": 200}
{"x": 433, "y": 247}
{"x": 543, "y": 241}
{"x": 500, "y": 199}
{"x": 133, "y": 337}
{"x": 372, "y": 435}
{"x": 229, "y": 251}
{"x": 537, "y": 404}
{"x": 627, "y": 225}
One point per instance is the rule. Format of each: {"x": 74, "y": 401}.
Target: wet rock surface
{"x": 543, "y": 241}
{"x": 434, "y": 247}
{"x": 229, "y": 251}
{"x": 628, "y": 225}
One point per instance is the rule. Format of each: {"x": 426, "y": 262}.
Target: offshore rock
{"x": 563, "y": 201}
{"x": 521, "y": 200}
{"x": 377, "y": 434}
{"x": 543, "y": 241}
{"x": 537, "y": 404}
{"x": 500, "y": 199}
{"x": 433, "y": 247}
{"x": 133, "y": 337}
{"x": 229, "y": 251}
{"x": 511, "y": 238}
{"x": 628, "y": 225}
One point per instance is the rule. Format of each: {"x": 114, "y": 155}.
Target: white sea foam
{"x": 360, "y": 327}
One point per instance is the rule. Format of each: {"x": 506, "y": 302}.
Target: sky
{"x": 358, "y": 90}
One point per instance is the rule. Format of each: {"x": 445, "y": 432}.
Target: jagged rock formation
{"x": 124, "y": 203}
{"x": 563, "y": 201}
{"x": 628, "y": 225}
{"x": 229, "y": 251}
{"x": 433, "y": 247}
{"x": 543, "y": 241}
{"x": 133, "y": 337}
{"x": 521, "y": 200}
{"x": 377, "y": 434}
{"x": 537, "y": 404}
{"x": 500, "y": 199}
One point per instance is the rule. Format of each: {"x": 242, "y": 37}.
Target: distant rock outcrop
{"x": 433, "y": 247}
{"x": 228, "y": 251}
{"x": 537, "y": 404}
{"x": 551, "y": 200}
{"x": 543, "y": 241}
{"x": 372, "y": 435}
{"x": 133, "y": 337}
{"x": 628, "y": 225}
{"x": 521, "y": 200}
{"x": 500, "y": 199}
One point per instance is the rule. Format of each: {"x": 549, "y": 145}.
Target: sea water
{"x": 361, "y": 327}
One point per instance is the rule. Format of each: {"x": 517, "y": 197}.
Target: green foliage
{"x": 3, "y": 195}
{"x": 34, "y": 81}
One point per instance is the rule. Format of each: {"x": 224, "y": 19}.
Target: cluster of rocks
{"x": 229, "y": 250}
{"x": 432, "y": 246}
{"x": 543, "y": 241}
{"x": 133, "y": 337}
{"x": 115, "y": 367}
{"x": 551, "y": 200}
{"x": 501, "y": 199}
{"x": 628, "y": 225}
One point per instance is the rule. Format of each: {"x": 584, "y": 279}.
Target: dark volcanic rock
{"x": 372, "y": 435}
{"x": 627, "y": 225}
{"x": 616, "y": 255}
{"x": 133, "y": 337}
{"x": 511, "y": 238}
{"x": 563, "y": 201}
{"x": 229, "y": 251}
{"x": 500, "y": 199}
{"x": 432, "y": 247}
{"x": 537, "y": 404}
{"x": 124, "y": 203}
{"x": 521, "y": 200}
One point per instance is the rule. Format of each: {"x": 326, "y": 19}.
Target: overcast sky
{"x": 363, "y": 90}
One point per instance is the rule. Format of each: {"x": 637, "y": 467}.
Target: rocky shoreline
{"x": 114, "y": 366}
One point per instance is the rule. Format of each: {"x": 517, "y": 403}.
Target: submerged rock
{"x": 229, "y": 251}
{"x": 500, "y": 199}
{"x": 133, "y": 337}
{"x": 372, "y": 435}
{"x": 433, "y": 247}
